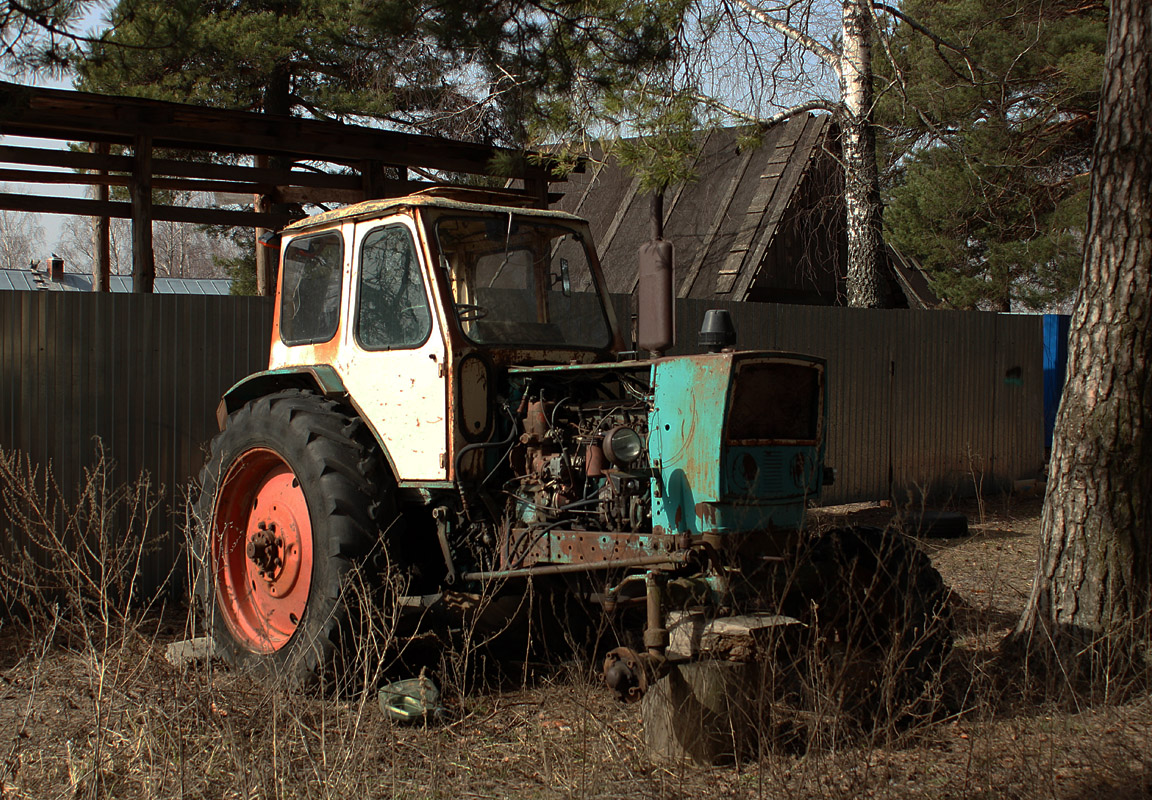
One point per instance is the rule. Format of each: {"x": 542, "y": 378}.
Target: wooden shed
{"x": 762, "y": 223}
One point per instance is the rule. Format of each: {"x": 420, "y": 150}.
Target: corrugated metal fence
{"x": 919, "y": 400}
{"x": 141, "y": 372}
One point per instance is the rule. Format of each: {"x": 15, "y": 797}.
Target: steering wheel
{"x": 470, "y": 312}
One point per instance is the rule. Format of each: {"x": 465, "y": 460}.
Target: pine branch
{"x": 45, "y": 22}
{"x": 973, "y": 69}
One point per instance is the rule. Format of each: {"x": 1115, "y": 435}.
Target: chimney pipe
{"x": 56, "y": 268}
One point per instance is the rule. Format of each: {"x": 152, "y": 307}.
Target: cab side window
{"x": 393, "y": 309}
{"x": 310, "y": 296}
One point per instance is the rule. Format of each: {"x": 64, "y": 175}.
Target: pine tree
{"x": 991, "y": 152}
{"x": 332, "y": 59}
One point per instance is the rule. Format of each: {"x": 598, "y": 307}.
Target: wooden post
{"x": 143, "y": 260}
{"x": 372, "y": 179}
{"x": 705, "y": 711}
{"x": 266, "y": 257}
{"x": 102, "y": 233}
{"x": 536, "y": 185}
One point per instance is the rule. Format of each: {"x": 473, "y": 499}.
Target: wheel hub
{"x": 264, "y": 551}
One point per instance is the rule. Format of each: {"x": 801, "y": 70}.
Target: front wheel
{"x": 294, "y": 499}
{"x": 879, "y": 613}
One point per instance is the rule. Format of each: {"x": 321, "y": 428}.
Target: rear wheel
{"x": 294, "y": 500}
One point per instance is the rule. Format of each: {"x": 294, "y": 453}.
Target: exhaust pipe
{"x": 656, "y": 326}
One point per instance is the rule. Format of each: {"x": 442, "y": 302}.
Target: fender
{"x": 320, "y": 378}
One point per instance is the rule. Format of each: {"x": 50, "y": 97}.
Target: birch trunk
{"x": 1092, "y": 582}
{"x": 861, "y": 175}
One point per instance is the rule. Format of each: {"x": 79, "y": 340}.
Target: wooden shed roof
{"x": 721, "y": 225}
{"x": 753, "y": 214}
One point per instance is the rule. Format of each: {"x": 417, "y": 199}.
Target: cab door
{"x": 393, "y": 356}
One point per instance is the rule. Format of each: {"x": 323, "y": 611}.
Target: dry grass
{"x": 89, "y": 708}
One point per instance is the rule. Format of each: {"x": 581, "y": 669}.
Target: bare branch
{"x": 825, "y": 54}
{"x": 802, "y": 108}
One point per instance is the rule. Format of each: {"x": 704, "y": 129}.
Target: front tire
{"x": 294, "y": 499}
{"x": 879, "y": 614}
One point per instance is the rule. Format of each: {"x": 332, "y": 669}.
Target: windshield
{"x": 521, "y": 281}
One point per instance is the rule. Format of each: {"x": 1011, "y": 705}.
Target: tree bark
{"x": 865, "y": 285}
{"x": 1091, "y": 591}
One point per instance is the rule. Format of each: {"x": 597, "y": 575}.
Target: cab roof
{"x": 437, "y": 197}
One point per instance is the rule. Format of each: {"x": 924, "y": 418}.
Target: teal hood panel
{"x": 686, "y": 437}
{"x": 708, "y": 484}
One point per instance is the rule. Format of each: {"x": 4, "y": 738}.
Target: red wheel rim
{"x": 262, "y": 551}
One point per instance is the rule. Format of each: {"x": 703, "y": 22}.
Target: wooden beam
{"x": 61, "y": 114}
{"x": 299, "y": 195}
{"x": 104, "y": 179}
{"x": 67, "y": 159}
{"x": 93, "y": 162}
{"x": 143, "y": 259}
{"x": 95, "y": 208}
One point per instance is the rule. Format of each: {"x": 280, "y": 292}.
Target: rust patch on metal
{"x": 584, "y": 547}
{"x": 706, "y": 513}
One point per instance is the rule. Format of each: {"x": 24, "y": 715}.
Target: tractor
{"x": 450, "y": 399}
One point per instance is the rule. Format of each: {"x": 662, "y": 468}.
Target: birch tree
{"x": 21, "y": 240}
{"x": 799, "y": 56}
{"x": 1094, "y": 577}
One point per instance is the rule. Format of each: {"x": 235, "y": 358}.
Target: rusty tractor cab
{"x": 448, "y": 399}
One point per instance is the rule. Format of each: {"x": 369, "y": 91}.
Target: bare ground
{"x": 84, "y": 714}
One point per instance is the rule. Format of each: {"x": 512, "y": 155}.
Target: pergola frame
{"x": 295, "y": 161}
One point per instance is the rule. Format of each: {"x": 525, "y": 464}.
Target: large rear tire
{"x": 294, "y": 499}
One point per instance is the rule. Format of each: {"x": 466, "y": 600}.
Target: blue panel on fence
{"x": 1055, "y": 363}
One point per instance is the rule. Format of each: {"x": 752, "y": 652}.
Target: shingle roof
{"x": 721, "y": 225}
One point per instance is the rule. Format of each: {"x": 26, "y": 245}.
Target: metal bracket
{"x": 442, "y": 515}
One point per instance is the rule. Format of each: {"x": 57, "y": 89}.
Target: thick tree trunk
{"x": 861, "y": 175}
{"x": 1092, "y": 581}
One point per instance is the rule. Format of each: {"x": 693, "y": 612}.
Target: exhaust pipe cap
{"x": 717, "y": 331}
